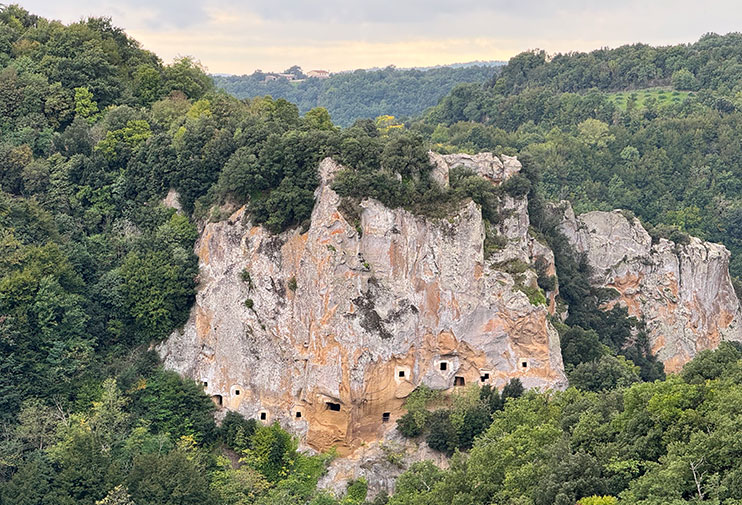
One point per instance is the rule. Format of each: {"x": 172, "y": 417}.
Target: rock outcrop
{"x": 682, "y": 291}
{"x": 487, "y": 165}
{"x": 327, "y": 331}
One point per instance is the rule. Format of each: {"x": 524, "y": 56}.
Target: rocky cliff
{"x": 329, "y": 329}
{"x": 682, "y": 291}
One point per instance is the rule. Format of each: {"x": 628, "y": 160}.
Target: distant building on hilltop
{"x": 318, "y": 74}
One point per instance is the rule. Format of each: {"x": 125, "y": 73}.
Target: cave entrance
{"x": 335, "y": 407}
{"x": 484, "y": 377}
{"x": 458, "y": 381}
{"x": 385, "y": 417}
{"x": 217, "y": 399}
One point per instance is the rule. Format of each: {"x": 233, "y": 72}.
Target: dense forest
{"x": 94, "y": 269}
{"x": 361, "y": 94}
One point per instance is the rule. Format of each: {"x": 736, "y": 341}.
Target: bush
{"x": 245, "y": 276}
{"x": 544, "y": 280}
{"x": 578, "y": 345}
{"x": 669, "y": 232}
{"x": 513, "y": 389}
{"x": 442, "y": 436}
{"x": 408, "y": 426}
{"x": 710, "y": 365}
{"x": 236, "y": 431}
{"x": 517, "y": 186}
{"x": 535, "y": 295}
{"x": 606, "y": 373}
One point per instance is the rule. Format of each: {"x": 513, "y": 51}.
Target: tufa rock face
{"x": 487, "y": 165}
{"x": 683, "y": 292}
{"x": 329, "y": 330}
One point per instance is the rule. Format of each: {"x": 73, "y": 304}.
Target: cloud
{"x": 154, "y": 14}
{"x": 413, "y": 11}
{"x": 239, "y": 36}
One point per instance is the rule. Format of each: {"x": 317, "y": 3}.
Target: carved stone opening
{"x": 298, "y": 414}
{"x": 443, "y": 366}
{"x": 484, "y": 377}
{"x": 217, "y": 399}
{"x": 401, "y": 373}
{"x": 335, "y": 407}
{"x": 458, "y": 381}
{"x": 385, "y": 417}
{"x": 263, "y": 416}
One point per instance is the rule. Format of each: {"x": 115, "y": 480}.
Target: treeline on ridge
{"x": 361, "y": 94}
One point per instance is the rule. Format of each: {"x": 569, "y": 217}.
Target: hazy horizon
{"x": 232, "y": 37}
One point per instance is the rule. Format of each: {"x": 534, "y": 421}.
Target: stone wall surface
{"x": 683, "y": 291}
{"x": 355, "y": 319}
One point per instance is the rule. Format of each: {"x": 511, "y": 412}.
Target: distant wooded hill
{"x": 362, "y": 93}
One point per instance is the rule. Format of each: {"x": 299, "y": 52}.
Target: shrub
{"x": 245, "y": 276}
{"x": 236, "y": 431}
{"x": 513, "y": 389}
{"x": 606, "y": 373}
{"x": 517, "y": 186}
{"x": 442, "y": 436}
{"x": 407, "y": 425}
{"x": 535, "y": 295}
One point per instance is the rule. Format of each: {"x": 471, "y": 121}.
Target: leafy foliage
{"x": 361, "y": 94}
{"x": 648, "y": 443}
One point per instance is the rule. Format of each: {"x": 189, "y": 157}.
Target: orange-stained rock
{"x": 683, "y": 291}
{"x": 373, "y": 314}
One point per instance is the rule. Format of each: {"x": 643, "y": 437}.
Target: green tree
{"x": 272, "y": 452}
{"x": 168, "y": 479}
{"x": 683, "y": 79}
{"x": 605, "y": 373}
{"x": 85, "y": 106}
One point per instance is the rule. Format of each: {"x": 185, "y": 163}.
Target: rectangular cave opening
{"x": 385, "y": 417}
{"x": 335, "y": 407}
{"x": 401, "y": 374}
{"x": 263, "y": 416}
{"x": 298, "y": 414}
{"x": 237, "y": 392}
{"x": 444, "y": 366}
{"x": 484, "y": 377}
{"x": 217, "y": 399}
{"x": 524, "y": 364}
{"x": 459, "y": 381}
{"x": 206, "y": 384}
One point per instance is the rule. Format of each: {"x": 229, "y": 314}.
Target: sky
{"x": 239, "y": 37}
